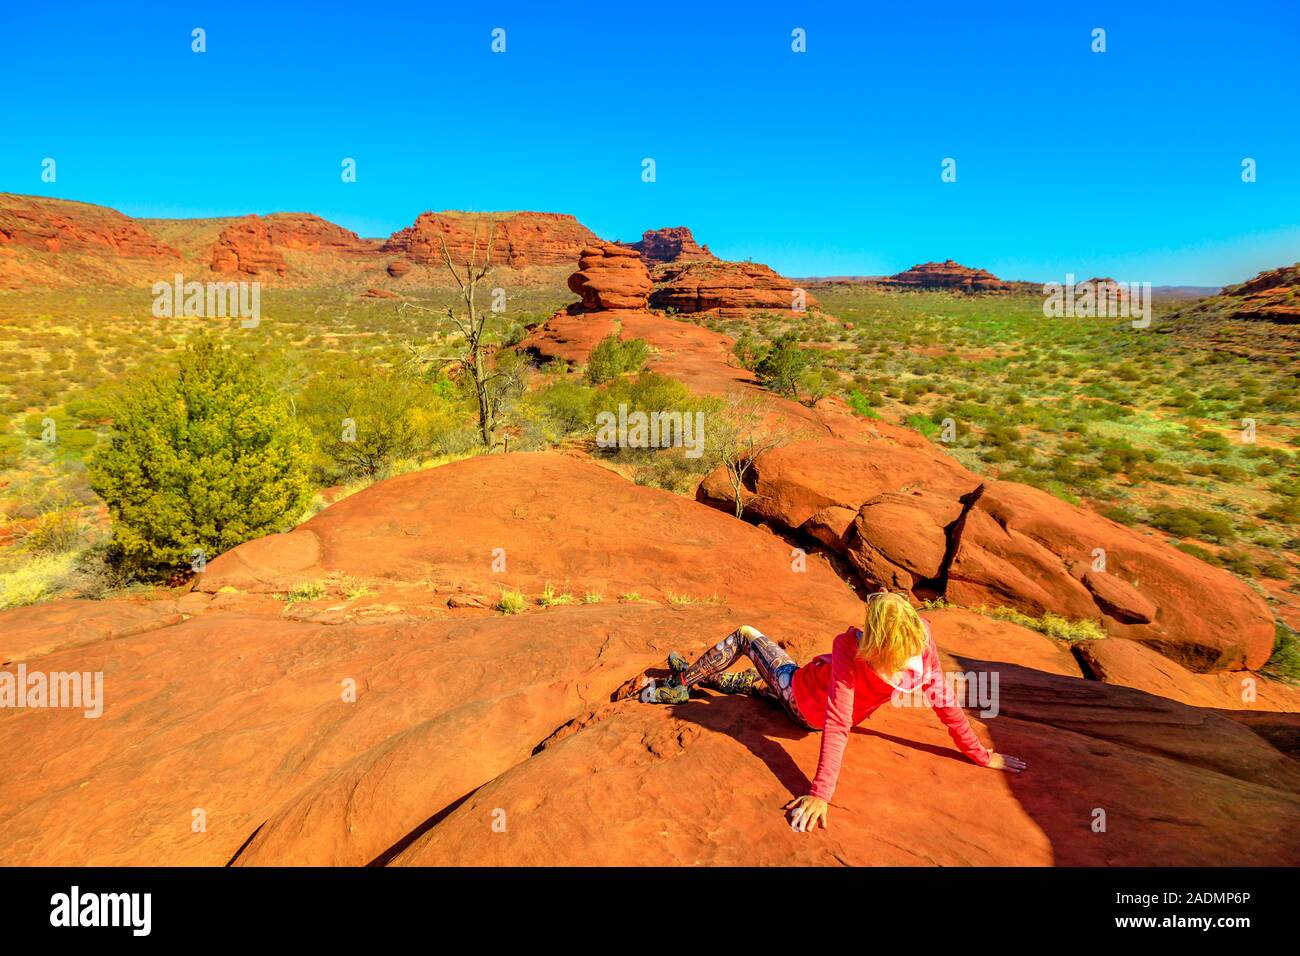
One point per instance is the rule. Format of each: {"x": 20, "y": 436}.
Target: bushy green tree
{"x": 783, "y": 367}
{"x": 202, "y": 457}
{"x": 363, "y": 418}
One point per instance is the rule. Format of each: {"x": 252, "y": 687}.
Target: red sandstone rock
{"x": 791, "y": 484}
{"x": 673, "y": 244}
{"x": 900, "y": 541}
{"x": 1015, "y": 547}
{"x": 305, "y": 232}
{"x": 240, "y": 712}
{"x": 1133, "y": 664}
{"x": 1271, "y": 296}
{"x": 1238, "y": 632}
{"x": 946, "y": 275}
{"x": 726, "y": 288}
{"x": 245, "y": 246}
{"x": 61, "y": 226}
{"x": 522, "y": 238}
{"x": 610, "y": 276}
{"x": 397, "y": 268}
{"x": 40, "y": 629}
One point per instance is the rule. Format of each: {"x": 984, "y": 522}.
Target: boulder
{"x": 1134, "y": 664}
{"x": 727, "y": 289}
{"x": 1023, "y": 547}
{"x": 900, "y": 541}
{"x": 610, "y": 277}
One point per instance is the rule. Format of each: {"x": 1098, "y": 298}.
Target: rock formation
{"x": 729, "y": 289}
{"x": 228, "y": 699}
{"x": 522, "y": 238}
{"x": 304, "y": 232}
{"x": 947, "y": 275}
{"x": 672, "y": 244}
{"x": 61, "y": 226}
{"x": 610, "y": 276}
{"x": 1269, "y": 297}
{"x": 917, "y": 521}
{"x": 245, "y": 246}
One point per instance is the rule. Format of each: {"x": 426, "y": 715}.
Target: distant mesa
{"x": 610, "y": 276}
{"x": 672, "y": 244}
{"x": 522, "y": 238}
{"x": 947, "y": 275}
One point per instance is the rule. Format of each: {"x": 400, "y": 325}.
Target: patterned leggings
{"x": 772, "y": 666}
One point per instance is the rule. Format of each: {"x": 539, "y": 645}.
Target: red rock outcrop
{"x": 398, "y": 268}
{"x": 1133, "y": 664}
{"x": 305, "y": 232}
{"x": 58, "y": 225}
{"x": 1272, "y": 296}
{"x": 419, "y": 734}
{"x": 725, "y": 288}
{"x": 924, "y": 524}
{"x": 522, "y": 238}
{"x": 610, "y": 276}
{"x": 947, "y": 275}
{"x": 245, "y": 246}
{"x": 672, "y": 244}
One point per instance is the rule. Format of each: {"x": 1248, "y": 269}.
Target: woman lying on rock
{"x": 893, "y": 653}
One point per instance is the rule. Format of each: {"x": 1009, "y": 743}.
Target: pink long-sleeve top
{"x": 839, "y": 690}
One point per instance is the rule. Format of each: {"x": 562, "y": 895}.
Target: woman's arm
{"x": 839, "y": 714}
{"x": 943, "y": 701}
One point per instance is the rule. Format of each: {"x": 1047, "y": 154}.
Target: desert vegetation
{"x": 1149, "y": 427}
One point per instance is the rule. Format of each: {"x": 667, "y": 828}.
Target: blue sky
{"x": 1126, "y": 163}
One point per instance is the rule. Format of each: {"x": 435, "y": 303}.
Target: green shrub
{"x": 1193, "y": 523}
{"x": 36, "y": 579}
{"x": 613, "y": 357}
{"x": 749, "y": 350}
{"x": 512, "y": 602}
{"x": 1285, "y": 660}
{"x": 362, "y": 419}
{"x": 784, "y": 365}
{"x": 568, "y": 405}
{"x": 203, "y": 457}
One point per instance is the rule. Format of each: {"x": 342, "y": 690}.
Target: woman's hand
{"x": 1006, "y": 762}
{"x": 807, "y": 813}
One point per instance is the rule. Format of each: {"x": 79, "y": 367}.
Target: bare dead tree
{"x": 491, "y": 384}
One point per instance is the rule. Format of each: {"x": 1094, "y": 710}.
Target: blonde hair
{"x": 892, "y": 634}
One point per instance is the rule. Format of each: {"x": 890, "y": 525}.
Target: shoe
{"x": 655, "y": 693}
{"x": 677, "y": 664}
